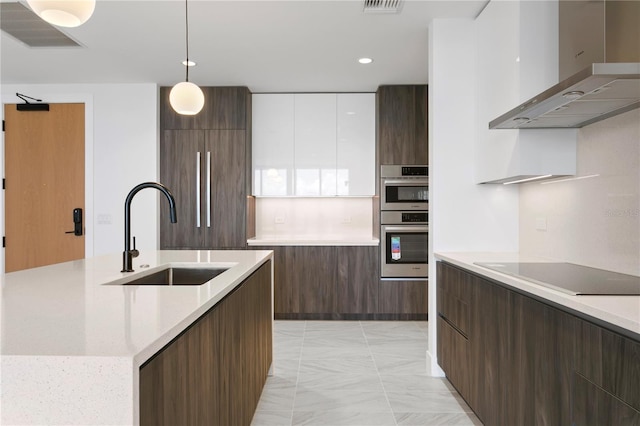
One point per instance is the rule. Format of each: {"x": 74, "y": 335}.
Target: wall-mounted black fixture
{"x": 28, "y": 106}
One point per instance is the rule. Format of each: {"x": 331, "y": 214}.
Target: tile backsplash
{"x": 314, "y": 218}
{"x": 593, "y": 220}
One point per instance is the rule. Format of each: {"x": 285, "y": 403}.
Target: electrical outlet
{"x": 279, "y": 219}
{"x": 541, "y": 223}
{"x": 346, "y": 219}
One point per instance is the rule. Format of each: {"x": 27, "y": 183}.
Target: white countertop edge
{"x": 620, "y": 311}
{"x": 254, "y": 242}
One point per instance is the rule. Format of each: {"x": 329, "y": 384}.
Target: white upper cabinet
{"x": 273, "y": 144}
{"x": 356, "y": 157}
{"x": 315, "y": 145}
{"x": 310, "y": 145}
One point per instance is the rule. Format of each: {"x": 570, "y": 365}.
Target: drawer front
{"x": 453, "y": 357}
{"x": 594, "y": 406}
{"x": 610, "y": 361}
{"x": 454, "y": 295}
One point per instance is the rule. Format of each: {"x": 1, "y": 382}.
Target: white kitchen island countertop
{"x": 72, "y": 346}
{"x": 619, "y": 311}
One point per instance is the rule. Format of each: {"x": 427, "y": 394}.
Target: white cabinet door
{"x": 273, "y": 144}
{"x": 315, "y": 145}
{"x": 356, "y": 144}
{"x": 310, "y": 145}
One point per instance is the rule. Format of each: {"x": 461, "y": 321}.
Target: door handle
{"x": 198, "y": 183}
{"x": 77, "y": 222}
{"x": 208, "y": 189}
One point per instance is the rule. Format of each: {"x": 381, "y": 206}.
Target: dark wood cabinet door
{"x": 408, "y": 298}
{"x": 314, "y": 272}
{"x": 225, "y": 108}
{"x": 542, "y": 352}
{"x": 402, "y": 124}
{"x": 610, "y": 361}
{"x": 225, "y": 202}
{"x": 357, "y": 279}
{"x": 593, "y": 406}
{"x": 179, "y": 172}
{"x": 489, "y": 352}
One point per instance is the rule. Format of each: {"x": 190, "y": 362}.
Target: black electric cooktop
{"x": 570, "y": 278}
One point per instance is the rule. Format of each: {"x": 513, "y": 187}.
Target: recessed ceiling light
{"x": 188, "y": 63}
{"x": 365, "y": 60}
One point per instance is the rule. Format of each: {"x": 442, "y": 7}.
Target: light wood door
{"x": 44, "y": 171}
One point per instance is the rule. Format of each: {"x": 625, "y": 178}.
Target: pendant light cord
{"x": 186, "y": 19}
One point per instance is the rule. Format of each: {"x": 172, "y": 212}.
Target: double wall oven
{"x": 404, "y": 221}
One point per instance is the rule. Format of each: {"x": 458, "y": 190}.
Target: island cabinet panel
{"x": 525, "y": 362}
{"x": 402, "y": 131}
{"x": 225, "y": 108}
{"x": 325, "y": 282}
{"x": 213, "y": 373}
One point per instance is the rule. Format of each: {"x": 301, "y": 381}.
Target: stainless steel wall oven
{"x": 404, "y": 188}
{"x": 404, "y": 244}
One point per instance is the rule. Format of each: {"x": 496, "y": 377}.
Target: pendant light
{"x": 186, "y": 98}
{"x": 63, "y": 13}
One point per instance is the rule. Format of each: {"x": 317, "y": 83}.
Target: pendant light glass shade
{"x": 186, "y": 98}
{"x": 63, "y": 13}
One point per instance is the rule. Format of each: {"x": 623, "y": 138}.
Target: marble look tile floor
{"x": 356, "y": 373}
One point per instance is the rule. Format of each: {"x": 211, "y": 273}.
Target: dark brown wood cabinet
{"x": 401, "y": 120}
{"x": 524, "y": 362}
{"x": 225, "y": 108}
{"x": 325, "y": 282}
{"x": 213, "y": 373}
{"x": 205, "y": 160}
{"x": 403, "y": 300}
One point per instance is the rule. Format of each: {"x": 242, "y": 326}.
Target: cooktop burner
{"x": 570, "y": 278}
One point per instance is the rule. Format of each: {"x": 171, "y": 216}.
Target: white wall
{"x": 463, "y": 216}
{"x": 329, "y": 218}
{"x": 593, "y": 221}
{"x": 121, "y": 151}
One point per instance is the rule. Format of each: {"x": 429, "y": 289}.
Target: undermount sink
{"x": 178, "y": 276}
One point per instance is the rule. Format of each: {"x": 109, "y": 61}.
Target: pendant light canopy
{"x": 63, "y": 13}
{"x": 186, "y": 98}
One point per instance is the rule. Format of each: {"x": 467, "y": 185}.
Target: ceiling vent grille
{"x": 382, "y": 6}
{"x": 24, "y": 25}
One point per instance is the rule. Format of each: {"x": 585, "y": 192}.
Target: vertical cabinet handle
{"x": 198, "y": 183}
{"x": 208, "y": 189}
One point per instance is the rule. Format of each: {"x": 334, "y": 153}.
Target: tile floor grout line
{"x": 384, "y": 390}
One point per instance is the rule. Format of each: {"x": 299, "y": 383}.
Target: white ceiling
{"x": 269, "y": 46}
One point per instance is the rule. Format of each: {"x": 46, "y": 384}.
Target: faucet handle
{"x": 134, "y": 252}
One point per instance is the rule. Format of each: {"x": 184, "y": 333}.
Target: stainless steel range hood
{"x": 597, "y": 92}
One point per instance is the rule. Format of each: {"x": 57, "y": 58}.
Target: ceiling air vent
{"x": 24, "y": 25}
{"x": 382, "y": 6}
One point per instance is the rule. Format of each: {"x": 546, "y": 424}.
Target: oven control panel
{"x": 404, "y": 218}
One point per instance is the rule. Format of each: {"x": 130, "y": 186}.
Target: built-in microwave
{"x": 404, "y": 251}
{"x": 404, "y": 188}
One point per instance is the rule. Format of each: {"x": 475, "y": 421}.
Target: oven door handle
{"x": 406, "y": 182}
{"x": 405, "y": 228}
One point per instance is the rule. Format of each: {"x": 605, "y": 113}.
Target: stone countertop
{"x": 622, "y": 312}
{"x": 75, "y": 343}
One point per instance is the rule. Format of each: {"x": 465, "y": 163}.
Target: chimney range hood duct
{"x": 599, "y": 91}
